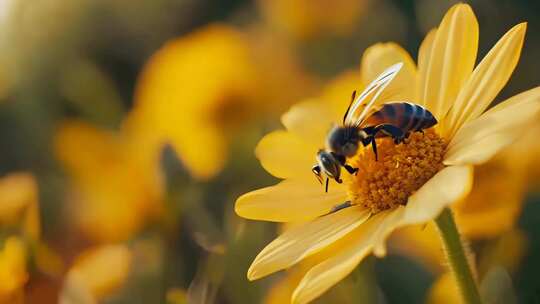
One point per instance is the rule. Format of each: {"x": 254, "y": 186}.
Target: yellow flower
{"x": 13, "y": 273}
{"x": 19, "y": 211}
{"x": 190, "y": 91}
{"x": 95, "y": 274}
{"x": 304, "y": 18}
{"x": 526, "y": 153}
{"x": 176, "y": 296}
{"x": 197, "y": 90}
{"x": 19, "y": 203}
{"x": 411, "y": 183}
{"x": 115, "y": 187}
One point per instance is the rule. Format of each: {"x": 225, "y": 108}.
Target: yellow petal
{"x": 13, "y": 273}
{"x": 281, "y": 291}
{"x": 82, "y": 147}
{"x": 19, "y": 203}
{"x": 309, "y": 120}
{"x": 453, "y": 55}
{"x": 192, "y": 89}
{"x": 478, "y": 140}
{"x": 424, "y": 59}
{"x": 306, "y": 19}
{"x": 96, "y": 273}
{"x": 379, "y": 57}
{"x": 200, "y": 145}
{"x": 284, "y": 155}
{"x": 388, "y": 227}
{"x": 290, "y": 201}
{"x": 488, "y": 78}
{"x": 16, "y": 192}
{"x": 352, "y": 249}
{"x": 301, "y": 241}
{"x": 447, "y": 186}
{"x": 204, "y": 153}
{"x": 75, "y": 291}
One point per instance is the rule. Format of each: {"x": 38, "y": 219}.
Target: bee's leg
{"x": 390, "y": 130}
{"x": 374, "y": 147}
{"x": 341, "y": 206}
{"x": 350, "y": 169}
{"x": 317, "y": 171}
{"x": 370, "y": 139}
{"x": 326, "y": 187}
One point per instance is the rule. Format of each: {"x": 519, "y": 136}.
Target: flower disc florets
{"x": 400, "y": 171}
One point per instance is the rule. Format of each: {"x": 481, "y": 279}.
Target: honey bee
{"x": 393, "y": 119}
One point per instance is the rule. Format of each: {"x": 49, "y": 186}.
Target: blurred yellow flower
{"x": 19, "y": 213}
{"x": 187, "y": 93}
{"x": 525, "y": 152}
{"x": 278, "y": 69}
{"x": 444, "y": 291}
{"x": 13, "y": 273}
{"x": 115, "y": 188}
{"x": 198, "y": 89}
{"x": 176, "y": 296}
{"x": 507, "y": 251}
{"x": 19, "y": 203}
{"x": 282, "y": 290}
{"x": 95, "y": 274}
{"x": 304, "y": 18}
{"x": 484, "y": 215}
{"x": 411, "y": 183}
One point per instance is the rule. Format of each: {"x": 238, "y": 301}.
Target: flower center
{"x": 400, "y": 171}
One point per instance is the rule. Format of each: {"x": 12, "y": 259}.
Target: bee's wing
{"x": 368, "y": 97}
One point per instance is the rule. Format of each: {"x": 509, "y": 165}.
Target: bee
{"x": 393, "y": 119}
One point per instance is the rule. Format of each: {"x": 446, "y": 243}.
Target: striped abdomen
{"x": 409, "y": 117}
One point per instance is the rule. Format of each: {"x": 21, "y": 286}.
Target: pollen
{"x": 400, "y": 171}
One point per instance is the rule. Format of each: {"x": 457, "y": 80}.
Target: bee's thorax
{"x": 343, "y": 141}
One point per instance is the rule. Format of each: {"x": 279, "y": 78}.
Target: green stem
{"x": 457, "y": 258}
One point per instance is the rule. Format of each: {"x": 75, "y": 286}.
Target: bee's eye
{"x": 328, "y": 163}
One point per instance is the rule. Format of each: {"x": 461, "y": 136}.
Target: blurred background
{"x": 127, "y": 131}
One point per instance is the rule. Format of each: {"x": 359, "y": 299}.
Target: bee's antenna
{"x": 349, "y": 107}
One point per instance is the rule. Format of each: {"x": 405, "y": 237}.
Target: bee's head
{"x": 329, "y": 164}
{"x": 343, "y": 141}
